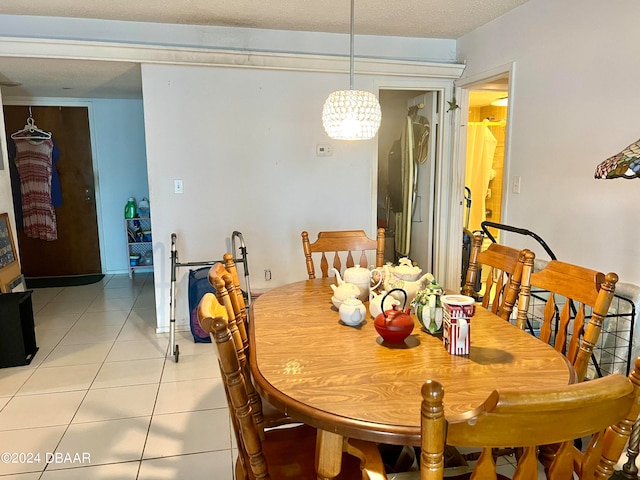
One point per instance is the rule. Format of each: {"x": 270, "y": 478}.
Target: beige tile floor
{"x": 101, "y": 399}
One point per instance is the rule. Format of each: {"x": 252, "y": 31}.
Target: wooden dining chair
{"x": 281, "y": 453}
{"x": 265, "y": 414}
{"x": 495, "y": 277}
{"x": 349, "y": 242}
{"x": 230, "y": 267}
{"x": 604, "y": 409}
{"x": 226, "y": 270}
{"x": 571, "y": 303}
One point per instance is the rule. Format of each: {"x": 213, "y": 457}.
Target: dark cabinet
{"x": 17, "y": 333}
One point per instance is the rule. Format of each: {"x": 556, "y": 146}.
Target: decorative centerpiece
{"x": 405, "y": 276}
{"x": 428, "y": 308}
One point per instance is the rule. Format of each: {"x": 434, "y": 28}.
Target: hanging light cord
{"x": 351, "y": 114}
{"x": 351, "y": 62}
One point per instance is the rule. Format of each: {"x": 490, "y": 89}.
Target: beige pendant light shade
{"x": 351, "y": 114}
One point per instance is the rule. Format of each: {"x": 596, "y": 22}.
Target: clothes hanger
{"x": 31, "y": 131}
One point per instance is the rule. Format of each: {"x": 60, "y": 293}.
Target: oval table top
{"x": 345, "y": 380}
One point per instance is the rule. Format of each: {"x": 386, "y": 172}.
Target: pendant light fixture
{"x": 351, "y": 114}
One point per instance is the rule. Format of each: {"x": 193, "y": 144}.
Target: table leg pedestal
{"x": 328, "y": 454}
{"x": 629, "y": 469}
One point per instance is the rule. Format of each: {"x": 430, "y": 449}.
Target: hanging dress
{"x": 35, "y": 167}
{"x": 16, "y": 189}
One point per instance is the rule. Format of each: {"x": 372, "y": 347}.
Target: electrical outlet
{"x": 267, "y": 274}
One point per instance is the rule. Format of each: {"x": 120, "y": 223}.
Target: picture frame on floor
{"x": 9, "y": 263}
{"x": 18, "y": 284}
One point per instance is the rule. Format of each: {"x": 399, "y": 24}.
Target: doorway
{"x": 485, "y": 153}
{"x": 484, "y": 137}
{"x": 76, "y": 249}
{"x": 407, "y": 143}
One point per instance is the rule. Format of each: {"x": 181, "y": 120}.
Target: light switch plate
{"x": 515, "y": 184}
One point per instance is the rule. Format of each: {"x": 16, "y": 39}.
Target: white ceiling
{"x": 411, "y": 18}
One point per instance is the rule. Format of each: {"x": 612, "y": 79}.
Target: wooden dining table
{"x": 347, "y": 382}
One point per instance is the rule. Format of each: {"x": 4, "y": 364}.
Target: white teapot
{"x": 352, "y": 311}
{"x": 343, "y": 291}
{"x": 375, "y": 303}
{"x": 405, "y": 276}
{"x": 360, "y": 277}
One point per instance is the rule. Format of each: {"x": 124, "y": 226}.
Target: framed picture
{"x": 17, "y": 285}
{"x": 9, "y": 264}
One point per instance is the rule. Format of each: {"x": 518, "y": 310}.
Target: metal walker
{"x": 174, "y": 349}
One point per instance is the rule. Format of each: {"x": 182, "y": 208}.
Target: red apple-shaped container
{"x": 394, "y": 325}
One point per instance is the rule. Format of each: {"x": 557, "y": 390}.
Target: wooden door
{"x": 77, "y": 249}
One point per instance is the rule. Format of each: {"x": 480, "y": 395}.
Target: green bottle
{"x": 130, "y": 208}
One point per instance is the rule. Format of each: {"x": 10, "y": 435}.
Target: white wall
{"x": 118, "y": 134}
{"x": 575, "y": 103}
{"x": 243, "y": 142}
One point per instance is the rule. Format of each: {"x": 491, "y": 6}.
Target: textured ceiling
{"x": 46, "y": 77}
{"x": 411, "y": 18}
